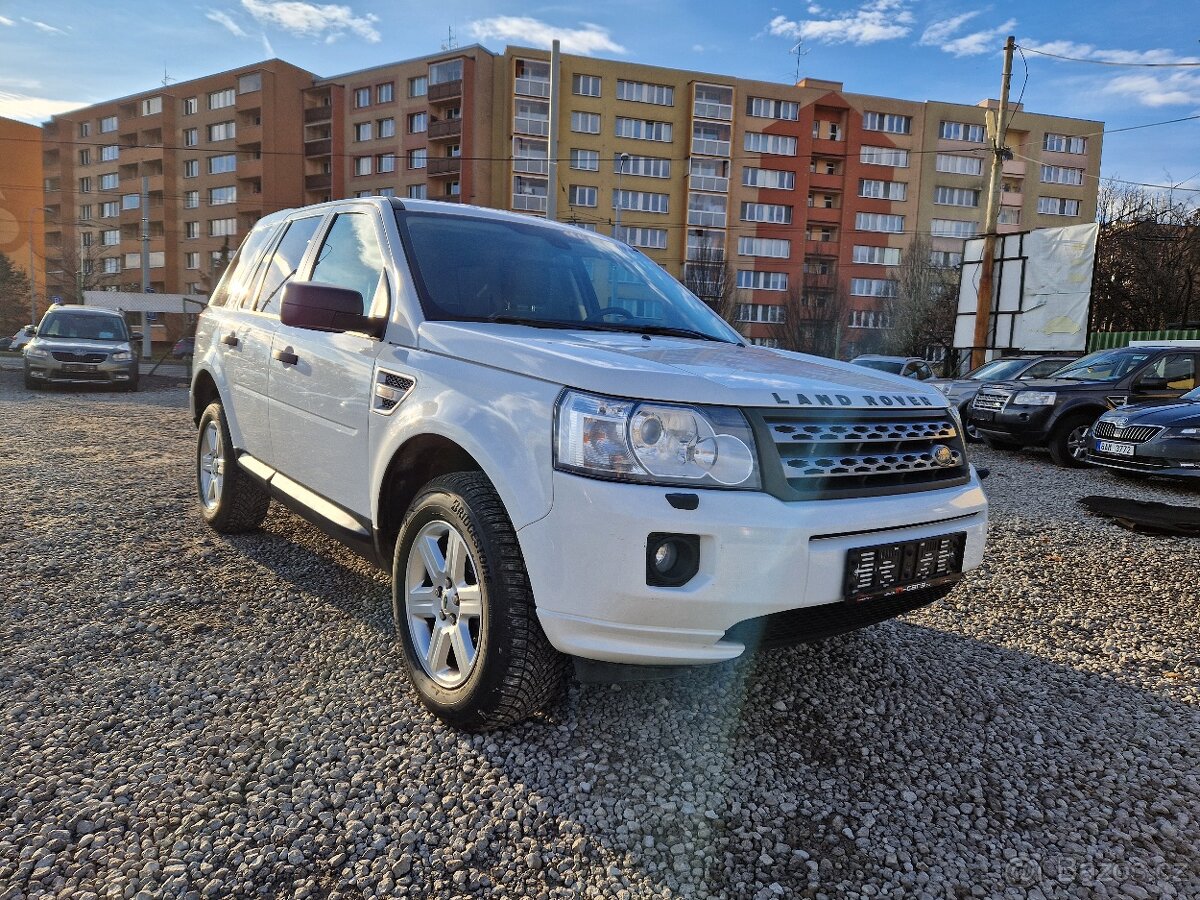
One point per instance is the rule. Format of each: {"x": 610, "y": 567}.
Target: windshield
{"x": 487, "y": 270}
{"x": 1104, "y": 365}
{"x": 998, "y": 370}
{"x": 1193, "y": 394}
{"x": 83, "y": 326}
{"x": 883, "y": 365}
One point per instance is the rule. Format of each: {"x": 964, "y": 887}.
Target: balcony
{"x": 708, "y": 183}
{"x": 529, "y": 202}
{"x": 707, "y": 147}
{"x": 703, "y": 109}
{"x": 529, "y": 125}
{"x": 316, "y": 114}
{"x": 249, "y": 168}
{"x": 1014, "y": 167}
{"x": 449, "y": 166}
{"x": 249, "y": 134}
{"x": 820, "y": 180}
{"x": 447, "y": 90}
{"x": 532, "y": 87}
{"x": 1011, "y": 198}
{"x": 818, "y": 247}
{"x": 318, "y": 148}
{"x": 320, "y": 182}
{"x": 445, "y": 128}
{"x": 531, "y": 165}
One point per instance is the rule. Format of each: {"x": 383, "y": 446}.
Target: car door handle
{"x": 287, "y": 357}
{"x": 230, "y": 339}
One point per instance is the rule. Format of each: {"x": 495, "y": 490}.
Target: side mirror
{"x": 323, "y": 307}
{"x": 1151, "y": 384}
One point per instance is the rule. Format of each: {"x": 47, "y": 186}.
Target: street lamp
{"x": 622, "y": 158}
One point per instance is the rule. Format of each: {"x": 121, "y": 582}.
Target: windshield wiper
{"x": 672, "y": 331}
{"x": 503, "y": 319}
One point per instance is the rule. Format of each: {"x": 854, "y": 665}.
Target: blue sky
{"x": 55, "y": 54}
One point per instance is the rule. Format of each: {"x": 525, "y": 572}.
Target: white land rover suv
{"x": 561, "y": 454}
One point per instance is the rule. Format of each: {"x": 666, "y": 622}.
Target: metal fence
{"x": 1106, "y": 340}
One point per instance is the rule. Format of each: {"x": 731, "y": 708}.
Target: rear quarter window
{"x": 231, "y": 290}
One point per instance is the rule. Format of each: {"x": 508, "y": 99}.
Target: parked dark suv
{"x": 1057, "y": 413}
{"x": 961, "y": 391}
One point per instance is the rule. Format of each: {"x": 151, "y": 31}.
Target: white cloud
{"x": 42, "y": 26}
{"x": 936, "y": 33}
{"x": 267, "y": 48}
{"x": 1088, "y": 51}
{"x": 870, "y": 23}
{"x": 326, "y": 21}
{"x": 5, "y": 21}
{"x": 529, "y": 32}
{"x": 978, "y": 42}
{"x": 224, "y": 19}
{"x": 1149, "y": 88}
{"x": 1176, "y": 89}
{"x": 27, "y": 108}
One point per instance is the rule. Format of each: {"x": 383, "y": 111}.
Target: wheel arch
{"x": 204, "y": 391}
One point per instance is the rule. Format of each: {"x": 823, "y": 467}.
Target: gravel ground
{"x": 183, "y": 714}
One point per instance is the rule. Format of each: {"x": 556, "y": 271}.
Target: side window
{"x": 285, "y": 261}
{"x": 1044, "y": 368}
{"x": 1179, "y": 369}
{"x": 924, "y": 372}
{"x": 232, "y": 288}
{"x": 350, "y": 257}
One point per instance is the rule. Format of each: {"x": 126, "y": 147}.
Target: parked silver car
{"x": 79, "y": 345}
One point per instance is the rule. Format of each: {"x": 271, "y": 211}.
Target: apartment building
{"x": 21, "y": 207}
{"x": 770, "y": 199}
{"x": 200, "y": 160}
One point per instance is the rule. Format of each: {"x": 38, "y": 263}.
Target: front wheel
{"x": 1069, "y": 442}
{"x": 230, "y": 501}
{"x": 473, "y": 647}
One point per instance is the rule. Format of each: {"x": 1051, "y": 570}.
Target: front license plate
{"x": 897, "y": 568}
{"x": 1115, "y": 448}
{"x": 982, "y": 415}
{"x": 79, "y": 367}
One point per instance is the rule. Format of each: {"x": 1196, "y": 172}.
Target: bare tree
{"x": 73, "y": 269}
{"x": 923, "y": 310}
{"x": 708, "y": 275}
{"x": 14, "y": 297}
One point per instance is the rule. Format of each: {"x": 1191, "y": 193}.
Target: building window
{"x": 226, "y": 162}
{"x": 222, "y": 99}
{"x": 1057, "y": 206}
{"x": 707, "y": 210}
{"x": 961, "y": 131}
{"x": 640, "y": 92}
{"x": 386, "y": 163}
{"x": 191, "y": 260}
{"x": 948, "y": 196}
{"x": 585, "y": 160}
{"x": 648, "y": 166}
{"x": 362, "y": 97}
{"x": 418, "y": 191}
{"x": 418, "y": 122}
{"x": 190, "y": 106}
{"x": 191, "y": 137}
{"x": 85, "y": 184}
{"x": 385, "y": 93}
{"x": 532, "y": 156}
{"x": 641, "y": 201}
{"x": 417, "y": 159}
{"x": 362, "y": 165}
{"x": 710, "y": 138}
{"x": 109, "y": 181}
{"x": 945, "y": 259}
{"x": 648, "y": 238}
{"x": 248, "y": 84}
{"x": 191, "y": 230}
{"x": 85, "y": 157}
{"x": 585, "y": 85}
{"x": 531, "y": 117}
{"x": 869, "y": 318}
{"x": 110, "y": 237}
{"x": 529, "y": 194}
{"x": 883, "y": 190}
{"x": 772, "y": 179}
{"x": 767, "y": 108}
{"x": 151, "y": 106}
{"x": 774, "y": 248}
{"x": 387, "y": 192}
{"x": 363, "y": 131}
{"x": 767, "y": 212}
{"x": 108, "y": 124}
{"x": 1061, "y": 175}
{"x": 775, "y": 144}
{"x": 958, "y": 165}
{"x": 872, "y": 287}
{"x": 1009, "y": 215}
{"x": 1064, "y": 143}
{"x": 221, "y": 131}
{"x": 585, "y": 122}
{"x": 85, "y": 129}
{"x": 445, "y": 72}
{"x": 889, "y": 122}
{"x": 387, "y": 128}
{"x": 219, "y": 196}
{"x": 581, "y": 195}
{"x": 109, "y": 209}
{"x": 110, "y": 265}
{"x": 418, "y": 86}
{"x": 767, "y": 313}
{"x": 883, "y": 156}
{"x": 191, "y": 199}
{"x": 642, "y": 129}
{"x": 761, "y": 281}
{"x": 109, "y": 152}
{"x": 876, "y": 256}
{"x": 131, "y": 201}
{"x": 533, "y": 78}
{"x": 222, "y": 227}
{"x": 85, "y": 212}
{"x": 953, "y": 228}
{"x": 884, "y": 222}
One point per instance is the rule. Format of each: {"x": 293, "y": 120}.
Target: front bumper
{"x": 52, "y": 371}
{"x": 1024, "y": 424}
{"x": 1176, "y": 457}
{"x": 759, "y": 556}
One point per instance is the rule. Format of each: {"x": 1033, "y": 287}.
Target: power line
{"x": 1106, "y": 62}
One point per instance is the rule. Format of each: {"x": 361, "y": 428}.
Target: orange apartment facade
{"x": 797, "y": 196}
{"x": 21, "y": 203}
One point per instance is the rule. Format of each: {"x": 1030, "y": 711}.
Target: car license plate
{"x": 897, "y": 568}
{"x": 982, "y": 415}
{"x": 79, "y": 367}
{"x": 1114, "y": 447}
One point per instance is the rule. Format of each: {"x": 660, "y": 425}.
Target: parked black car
{"x": 1158, "y": 438}
{"x": 1058, "y": 412}
{"x": 908, "y": 366}
{"x": 961, "y": 391}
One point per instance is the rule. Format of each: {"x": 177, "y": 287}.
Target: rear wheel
{"x": 972, "y": 433}
{"x": 230, "y": 501}
{"x": 1069, "y": 441}
{"x": 473, "y": 647}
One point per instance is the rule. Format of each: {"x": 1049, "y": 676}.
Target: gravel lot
{"x": 183, "y": 714}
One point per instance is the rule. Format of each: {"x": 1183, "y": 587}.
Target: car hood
{"x": 680, "y": 369}
{"x": 1169, "y": 413}
{"x": 77, "y": 345}
{"x": 1047, "y": 384}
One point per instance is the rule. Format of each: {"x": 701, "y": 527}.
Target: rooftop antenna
{"x": 450, "y": 43}
{"x": 799, "y": 50}
{"x": 166, "y": 79}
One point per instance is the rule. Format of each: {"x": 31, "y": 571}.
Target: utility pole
{"x": 32, "y": 278}
{"x": 552, "y": 161}
{"x": 145, "y": 201}
{"x": 983, "y": 302}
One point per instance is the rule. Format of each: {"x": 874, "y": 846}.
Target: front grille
{"x": 990, "y": 400}
{"x": 833, "y": 453}
{"x": 815, "y": 623}
{"x": 67, "y": 356}
{"x": 1133, "y": 434}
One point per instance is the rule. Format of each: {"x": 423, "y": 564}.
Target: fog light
{"x": 672, "y": 560}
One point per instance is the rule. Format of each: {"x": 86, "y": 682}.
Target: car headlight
{"x": 1187, "y": 432}
{"x": 36, "y": 353}
{"x": 654, "y": 443}
{"x": 122, "y": 356}
{"x": 1035, "y": 398}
